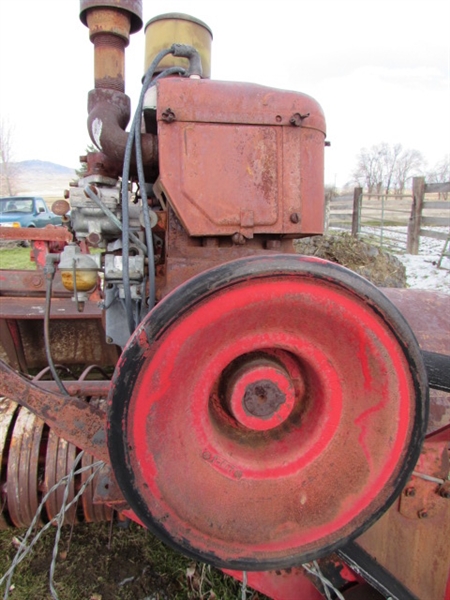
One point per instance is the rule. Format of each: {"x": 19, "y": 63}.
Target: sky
{"x": 380, "y": 69}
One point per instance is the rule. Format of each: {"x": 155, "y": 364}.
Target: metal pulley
{"x": 266, "y": 412}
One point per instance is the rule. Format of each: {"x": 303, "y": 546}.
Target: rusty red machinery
{"x": 274, "y": 415}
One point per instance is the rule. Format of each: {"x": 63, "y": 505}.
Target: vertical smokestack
{"x": 110, "y": 25}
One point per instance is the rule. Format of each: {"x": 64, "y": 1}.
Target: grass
{"x": 97, "y": 562}
{"x": 16, "y": 258}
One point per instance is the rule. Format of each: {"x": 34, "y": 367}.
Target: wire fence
{"x": 395, "y": 222}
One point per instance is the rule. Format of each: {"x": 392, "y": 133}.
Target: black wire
{"x": 125, "y": 178}
{"x": 48, "y": 296}
{"x": 141, "y": 176}
{"x": 125, "y": 213}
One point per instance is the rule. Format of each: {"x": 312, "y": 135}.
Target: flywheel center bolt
{"x": 263, "y": 398}
{"x": 260, "y": 394}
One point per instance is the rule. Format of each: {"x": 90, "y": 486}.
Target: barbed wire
{"x": 25, "y": 549}
{"x": 244, "y": 586}
{"x": 314, "y": 569}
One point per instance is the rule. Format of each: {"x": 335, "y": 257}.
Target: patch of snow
{"x": 422, "y": 271}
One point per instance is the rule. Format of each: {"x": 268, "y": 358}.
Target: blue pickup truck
{"x": 26, "y": 211}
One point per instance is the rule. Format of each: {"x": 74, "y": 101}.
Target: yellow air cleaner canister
{"x": 177, "y": 28}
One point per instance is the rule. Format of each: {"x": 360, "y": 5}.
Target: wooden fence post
{"x": 412, "y": 244}
{"x": 356, "y": 216}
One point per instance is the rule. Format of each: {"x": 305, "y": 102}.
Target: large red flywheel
{"x": 267, "y": 411}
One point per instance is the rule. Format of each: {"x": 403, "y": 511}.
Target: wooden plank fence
{"x": 419, "y": 220}
{"x": 394, "y": 220}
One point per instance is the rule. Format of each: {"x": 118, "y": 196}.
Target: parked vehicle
{"x": 26, "y": 211}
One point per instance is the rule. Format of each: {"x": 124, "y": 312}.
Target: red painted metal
{"x": 289, "y": 584}
{"x": 311, "y": 481}
{"x": 236, "y": 160}
{"x": 428, "y": 314}
{"x": 261, "y": 393}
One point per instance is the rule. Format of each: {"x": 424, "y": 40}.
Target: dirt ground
{"x": 100, "y": 562}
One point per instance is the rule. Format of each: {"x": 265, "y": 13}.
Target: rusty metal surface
{"x": 190, "y": 256}
{"x": 428, "y": 315}
{"x": 132, "y": 7}
{"x": 93, "y": 512}
{"x": 109, "y": 54}
{"x": 23, "y": 468}
{"x": 74, "y": 341}
{"x": 78, "y": 388}
{"x": 111, "y": 109}
{"x": 11, "y": 346}
{"x": 33, "y": 459}
{"x": 33, "y": 308}
{"x": 71, "y": 418}
{"x": 100, "y": 165}
{"x": 411, "y": 539}
{"x": 29, "y": 283}
{"x": 421, "y": 498}
{"x": 59, "y": 460}
{"x": 270, "y": 171}
{"x": 50, "y": 233}
{"x": 8, "y": 409}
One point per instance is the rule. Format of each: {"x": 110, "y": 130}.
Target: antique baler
{"x": 274, "y": 415}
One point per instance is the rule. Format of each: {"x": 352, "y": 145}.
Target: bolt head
{"x": 444, "y": 491}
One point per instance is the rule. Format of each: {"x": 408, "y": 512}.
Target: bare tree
{"x": 392, "y": 157}
{"x": 6, "y": 157}
{"x": 409, "y": 163}
{"x": 366, "y": 173}
{"x": 384, "y": 166}
{"x": 440, "y": 173}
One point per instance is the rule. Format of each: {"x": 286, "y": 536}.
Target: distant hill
{"x": 39, "y": 178}
{"x": 41, "y": 166}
